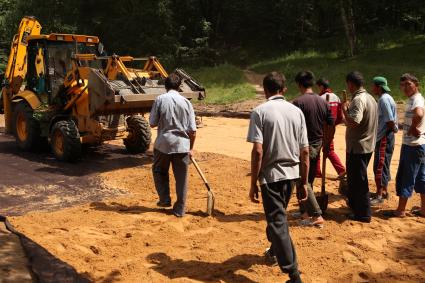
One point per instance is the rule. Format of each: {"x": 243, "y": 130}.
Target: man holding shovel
{"x": 174, "y": 116}
{"x": 279, "y": 156}
{"x": 317, "y": 114}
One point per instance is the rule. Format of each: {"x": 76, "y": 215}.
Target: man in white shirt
{"x": 411, "y": 169}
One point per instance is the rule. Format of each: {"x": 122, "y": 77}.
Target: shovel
{"x": 210, "y": 195}
{"x": 323, "y": 199}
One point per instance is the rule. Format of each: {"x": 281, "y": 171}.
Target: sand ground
{"x": 128, "y": 239}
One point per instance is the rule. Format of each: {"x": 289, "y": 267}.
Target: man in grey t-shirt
{"x": 174, "y": 116}
{"x": 280, "y": 154}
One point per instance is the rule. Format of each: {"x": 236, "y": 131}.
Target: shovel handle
{"x": 200, "y": 172}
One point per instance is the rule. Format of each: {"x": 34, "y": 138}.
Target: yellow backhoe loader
{"x": 63, "y": 89}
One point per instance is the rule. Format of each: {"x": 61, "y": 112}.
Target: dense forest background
{"x": 205, "y": 31}
{"x": 219, "y": 40}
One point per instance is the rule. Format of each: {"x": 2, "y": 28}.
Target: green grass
{"x": 224, "y": 84}
{"x": 389, "y": 60}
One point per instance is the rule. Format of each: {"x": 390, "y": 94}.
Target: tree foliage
{"x": 201, "y": 29}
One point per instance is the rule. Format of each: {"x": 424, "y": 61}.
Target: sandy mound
{"x": 129, "y": 240}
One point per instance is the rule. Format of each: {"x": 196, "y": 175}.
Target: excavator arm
{"x": 16, "y": 69}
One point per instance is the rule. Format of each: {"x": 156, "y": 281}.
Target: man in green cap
{"x": 387, "y": 126}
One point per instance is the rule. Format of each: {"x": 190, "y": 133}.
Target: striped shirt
{"x": 414, "y": 102}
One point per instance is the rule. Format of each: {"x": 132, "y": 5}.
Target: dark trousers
{"x": 275, "y": 201}
{"x": 358, "y": 185}
{"x": 381, "y": 164}
{"x": 161, "y": 165}
{"x": 310, "y": 205}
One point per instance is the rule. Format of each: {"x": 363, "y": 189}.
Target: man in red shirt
{"x": 336, "y": 110}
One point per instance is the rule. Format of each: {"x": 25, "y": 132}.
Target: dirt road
{"x": 128, "y": 239}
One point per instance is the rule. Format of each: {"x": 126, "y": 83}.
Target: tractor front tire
{"x": 139, "y": 134}
{"x": 65, "y": 141}
{"x": 26, "y": 127}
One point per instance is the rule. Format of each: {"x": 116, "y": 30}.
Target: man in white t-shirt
{"x": 411, "y": 169}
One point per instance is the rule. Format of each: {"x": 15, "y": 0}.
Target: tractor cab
{"x": 50, "y": 59}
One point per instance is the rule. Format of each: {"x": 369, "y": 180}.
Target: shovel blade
{"x": 210, "y": 202}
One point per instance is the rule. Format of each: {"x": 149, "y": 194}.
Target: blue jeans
{"x": 411, "y": 171}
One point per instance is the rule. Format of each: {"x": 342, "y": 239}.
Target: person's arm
{"x": 388, "y": 117}
{"x": 192, "y": 137}
{"x": 302, "y": 186}
{"x": 353, "y": 113}
{"x": 255, "y": 136}
{"x": 154, "y": 115}
{"x": 192, "y": 128}
{"x": 391, "y": 126}
{"x": 256, "y": 160}
{"x": 416, "y": 120}
{"x": 302, "y": 192}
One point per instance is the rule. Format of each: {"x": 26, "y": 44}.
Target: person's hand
{"x": 253, "y": 193}
{"x": 326, "y": 148}
{"x": 345, "y": 106}
{"x": 302, "y": 192}
{"x": 413, "y": 131}
{"x": 191, "y": 153}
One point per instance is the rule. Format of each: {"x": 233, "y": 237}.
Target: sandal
{"x": 310, "y": 223}
{"x": 393, "y": 214}
{"x": 417, "y": 212}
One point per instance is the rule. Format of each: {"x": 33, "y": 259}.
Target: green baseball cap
{"x": 382, "y": 82}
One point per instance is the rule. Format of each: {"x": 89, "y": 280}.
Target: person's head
{"x": 380, "y": 86}
{"x": 409, "y": 84}
{"x": 304, "y": 80}
{"x": 354, "y": 81}
{"x": 322, "y": 84}
{"x": 173, "y": 81}
{"x": 274, "y": 83}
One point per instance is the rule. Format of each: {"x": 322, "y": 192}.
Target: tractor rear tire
{"x": 65, "y": 141}
{"x": 26, "y": 127}
{"x": 139, "y": 135}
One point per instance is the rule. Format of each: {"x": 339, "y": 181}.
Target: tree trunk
{"x": 349, "y": 26}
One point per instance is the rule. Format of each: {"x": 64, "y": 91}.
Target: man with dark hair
{"x": 384, "y": 148}
{"x": 174, "y": 116}
{"x": 317, "y": 114}
{"x": 279, "y": 157}
{"x": 336, "y": 110}
{"x": 411, "y": 169}
{"x": 361, "y": 119}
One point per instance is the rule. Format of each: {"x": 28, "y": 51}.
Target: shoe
{"x": 270, "y": 258}
{"x": 163, "y": 204}
{"x": 177, "y": 215}
{"x": 376, "y": 201}
{"x": 342, "y": 175}
{"x": 295, "y": 278}
{"x": 310, "y": 223}
{"x": 339, "y": 177}
{"x": 351, "y": 216}
{"x": 386, "y": 196}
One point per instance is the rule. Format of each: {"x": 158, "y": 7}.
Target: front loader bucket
{"x": 121, "y": 97}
